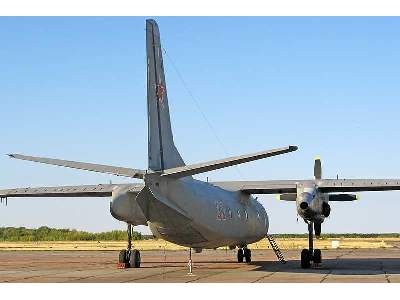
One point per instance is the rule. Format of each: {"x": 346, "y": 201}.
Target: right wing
{"x": 118, "y": 171}
{"x": 358, "y": 185}
{"x": 99, "y": 190}
{"x": 324, "y": 185}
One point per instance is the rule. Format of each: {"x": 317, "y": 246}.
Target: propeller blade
{"x": 317, "y": 168}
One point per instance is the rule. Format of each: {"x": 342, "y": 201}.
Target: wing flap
{"x": 118, "y": 171}
{"x": 262, "y": 187}
{"x": 358, "y": 185}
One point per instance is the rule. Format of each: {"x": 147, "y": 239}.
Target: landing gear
{"x": 247, "y": 255}
{"x": 129, "y": 258}
{"x": 305, "y": 259}
{"x": 240, "y": 255}
{"x": 310, "y": 255}
{"x": 244, "y": 253}
{"x": 317, "y": 256}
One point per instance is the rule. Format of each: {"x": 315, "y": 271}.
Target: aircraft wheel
{"x": 122, "y": 259}
{"x": 135, "y": 259}
{"x": 305, "y": 259}
{"x": 240, "y": 255}
{"x": 247, "y": 255}
{"x": 317, "y": 256}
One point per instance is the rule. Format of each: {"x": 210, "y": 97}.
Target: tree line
{"x": 44, "y": 233}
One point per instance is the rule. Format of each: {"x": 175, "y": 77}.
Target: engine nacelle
{"x": 326, "y": 209}
{"x": 124, "y": 207}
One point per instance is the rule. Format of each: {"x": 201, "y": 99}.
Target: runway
{"x": 215, "y": 266}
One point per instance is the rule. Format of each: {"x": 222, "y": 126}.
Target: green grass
{"x": 22, "y": 234}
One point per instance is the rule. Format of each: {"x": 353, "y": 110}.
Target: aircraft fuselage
{"x": 198, "y": 214}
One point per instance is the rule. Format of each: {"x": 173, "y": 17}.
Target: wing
{"x": 358, "y": 185}
{"x": 325, "y": 185}
{"x": 263, "y": 187}
{"x": 119, "y": 171}
{"x": 99, "y": 190}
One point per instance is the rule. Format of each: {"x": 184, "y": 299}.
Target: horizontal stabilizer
{"x": 223, "y": 163}
{"x": 118, "y": 171}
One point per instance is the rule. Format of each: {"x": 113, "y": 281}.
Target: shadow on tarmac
{"x": 341, "y": 266}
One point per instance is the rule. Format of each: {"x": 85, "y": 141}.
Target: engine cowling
{"x": 124, "y": 207}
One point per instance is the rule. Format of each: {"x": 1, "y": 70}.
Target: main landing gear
{"x": 129, "y": 258}
{"x": 310, "y": 255}
{"x": 244, "y": 253}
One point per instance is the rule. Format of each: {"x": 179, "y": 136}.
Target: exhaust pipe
{"x": 304, "y": 205}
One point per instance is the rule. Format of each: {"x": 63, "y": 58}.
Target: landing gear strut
{"x": 244, "y": 253}
{"x": 310, "y": 255}
{"x": 129, "y": 258}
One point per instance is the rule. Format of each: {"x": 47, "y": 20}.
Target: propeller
{"x": 317, "y": 168}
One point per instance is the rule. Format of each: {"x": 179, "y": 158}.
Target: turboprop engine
{"x": 312, "y": 205}
{"x": 124, "y": 207}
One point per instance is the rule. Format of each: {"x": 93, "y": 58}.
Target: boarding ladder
{"x": 276, "y": 249}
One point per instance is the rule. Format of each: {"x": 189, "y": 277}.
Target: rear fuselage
{"x": 206, "y": 216}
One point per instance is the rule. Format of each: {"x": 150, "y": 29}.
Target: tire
{"x": 135, "y": 259}
{"x": 247, "y": 255}
{"x": 305, "y": 259}
{"x": 317, "y": 256}
{"x": 122, "y": 259}
{"x": 240, "y": 255}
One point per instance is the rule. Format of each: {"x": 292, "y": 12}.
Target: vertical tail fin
{"x": 162, "y": 153}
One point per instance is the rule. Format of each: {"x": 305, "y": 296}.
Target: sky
{"x": 75, "y": 88}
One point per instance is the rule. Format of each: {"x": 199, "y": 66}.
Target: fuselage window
{"x": 246, "y": 214}
{"x": 258, "y": 215}
{"x": 238, "y": 213}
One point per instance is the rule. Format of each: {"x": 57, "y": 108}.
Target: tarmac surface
{"x": 215, "y": 266}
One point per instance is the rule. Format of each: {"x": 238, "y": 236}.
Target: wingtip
{"x": 11, "y": 155}
{"x": 317, "y": 157}
{"x": 293, "y": 148}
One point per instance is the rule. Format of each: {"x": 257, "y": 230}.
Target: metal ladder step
{"x": 276, "y": 249}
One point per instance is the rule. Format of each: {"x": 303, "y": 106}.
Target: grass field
{"x": 153, "y": 244}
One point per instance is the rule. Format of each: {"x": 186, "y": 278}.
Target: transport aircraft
{"x": 192, "y": 213}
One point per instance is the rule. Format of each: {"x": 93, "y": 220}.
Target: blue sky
{"x": 74, "y": 88}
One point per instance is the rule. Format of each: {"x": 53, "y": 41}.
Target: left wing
{"x": 99, "y": 190}
{"x": 324, "y": 185}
